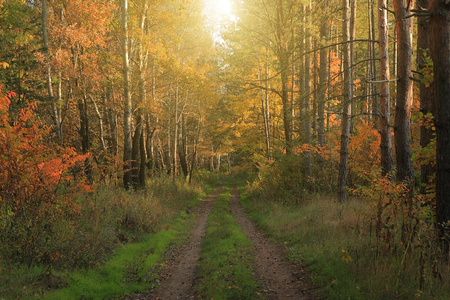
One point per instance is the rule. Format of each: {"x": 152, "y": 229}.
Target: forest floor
{"x": 275, "y": 276}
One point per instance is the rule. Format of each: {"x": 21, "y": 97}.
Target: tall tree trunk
{"x": 84, "y": 134}
{"x": 100, "y": 124}
{"x": 263, "y": 83}
{"x": 322, "y": 83}
{"x": 175, "y": 134}
{"x": 375, "y": 109}
{"x": 183, "y": 149}
{"x": 316, "y": 90}
{"x": 425, "y": 93}
{"x": 136, "y": 150}
{"x": 112, "y": 121}
{"x": 385, "y": 101}
{"x": 346, "y": 110}
{"x": 55, "y": 117}
{"x": 194, "y": 152}
{"x": 137, "y": 154}
{"x": 352, "y": 31}
{"x": 404, "y": 90}
{"x": 440, "y": 53}
{"x": 283, "y": 58}
{"x": 307, "y": 77}
{"x": 127, "y": 116}
{"x": 143, "y": 161}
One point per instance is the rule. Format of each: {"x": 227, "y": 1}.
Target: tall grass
{"x": 109, "y": 218}
{"x": 337, "y": 243}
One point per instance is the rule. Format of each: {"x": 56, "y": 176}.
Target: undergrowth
{"x": 346, "y": 260}
{"x": 107, "y": 242}
{"x": 225, "y": 260}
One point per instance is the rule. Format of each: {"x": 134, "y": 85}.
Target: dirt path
{"x": 178, "y": 277}
{"x": 279, "y": 279}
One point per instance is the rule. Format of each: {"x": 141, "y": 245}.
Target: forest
{"x": 328, "y": 121}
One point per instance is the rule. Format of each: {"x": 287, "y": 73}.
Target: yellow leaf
{"x": 346, "y": 257}
{"x": 4, "y": 65}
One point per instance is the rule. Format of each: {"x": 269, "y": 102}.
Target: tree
{"x": 385, "y": 103}
{"x": 425, "y": 92}
{"x": 404, "y": 90}
{"x": 440, "y": 53}
{"x": 282, "y": 52}
{"x": 127, "y": 116}
{"x": 56, "y": 114}
{"x": 322, "y": 80}
{"x": 346, "y": 104}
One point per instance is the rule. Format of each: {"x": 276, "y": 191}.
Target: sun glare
{"x": 220, "y": 9}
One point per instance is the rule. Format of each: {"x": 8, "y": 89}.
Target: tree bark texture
{"x": 283, "y": 58}
{"x": 127, "y": 116}
{"x": 307, "y": 120}
{"x": 387, "y": 161}
{"x": 346, "y": 110}
{"x": 322, "y": 84}
{"x": 440, "y": 53}
{"x": 425, "y": 93}
{"x": 404, "y": 90}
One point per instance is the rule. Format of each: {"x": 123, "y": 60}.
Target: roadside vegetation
{"x": 109, "y": 249}
{"x": 377, "y": 245}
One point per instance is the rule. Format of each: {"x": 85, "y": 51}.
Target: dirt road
{"x": 278, "y": 278}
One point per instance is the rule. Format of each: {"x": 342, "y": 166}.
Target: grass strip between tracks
{"x": 225, "y": 262}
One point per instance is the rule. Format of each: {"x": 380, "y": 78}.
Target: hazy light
{"x": 219, "y": 10}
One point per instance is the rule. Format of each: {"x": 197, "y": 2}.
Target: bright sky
{"x": 219, "y": 10}
{"x": 219, "y": 13}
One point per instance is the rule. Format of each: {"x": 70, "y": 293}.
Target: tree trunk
{"x": 375, "y": 108}
{"x": 55, "y": 117}
{"x": 143, "y": 156}
{"x": 283, "y": 58}
{"x": 404, "y": 90}
{"x": 385, "y": 101}
{"x": 346, "y": 110}
{"x": 183, "y": 151}
{"x": 84, "y": 135}
{"x": 307, "y": 110}
{"x": 440, "y": 53}
{"x": 136, "y": 150}
{"x": 127, "y": 116}
{"x": 264, "y": 108}
{"x": 316, "y": 90}
{"x": 175, "y": 134}
{"x": 100, "y": 124}
{"x": 425, "y": 94}
{"x": 112, "y": 122}
{"x": 322, "y": 84}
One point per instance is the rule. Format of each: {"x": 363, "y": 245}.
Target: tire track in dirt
{"x": 279, "y": 279}
{"x": 177, "y": 278}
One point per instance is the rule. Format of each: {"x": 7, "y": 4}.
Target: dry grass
{"x": 338, "y": 244}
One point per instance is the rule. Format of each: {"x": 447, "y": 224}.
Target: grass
{"x": 341, "y": 252}
{"x": 225, "y": 260}
{"x": 128, "y": 271}
{"x": 110, "y": 249}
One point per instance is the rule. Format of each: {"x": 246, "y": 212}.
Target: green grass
{"x": 149, "y": 220}
{"x": 225, "y": 261}
{"x": 128, "y": 271}
{"x": 341, "y": 254}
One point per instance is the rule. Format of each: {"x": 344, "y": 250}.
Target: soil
{"x": 278, "y": 278}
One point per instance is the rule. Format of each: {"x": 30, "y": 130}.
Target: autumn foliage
{"x": 38, "y": 183}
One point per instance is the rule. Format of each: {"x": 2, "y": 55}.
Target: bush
{"x": 36, "y": 187}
